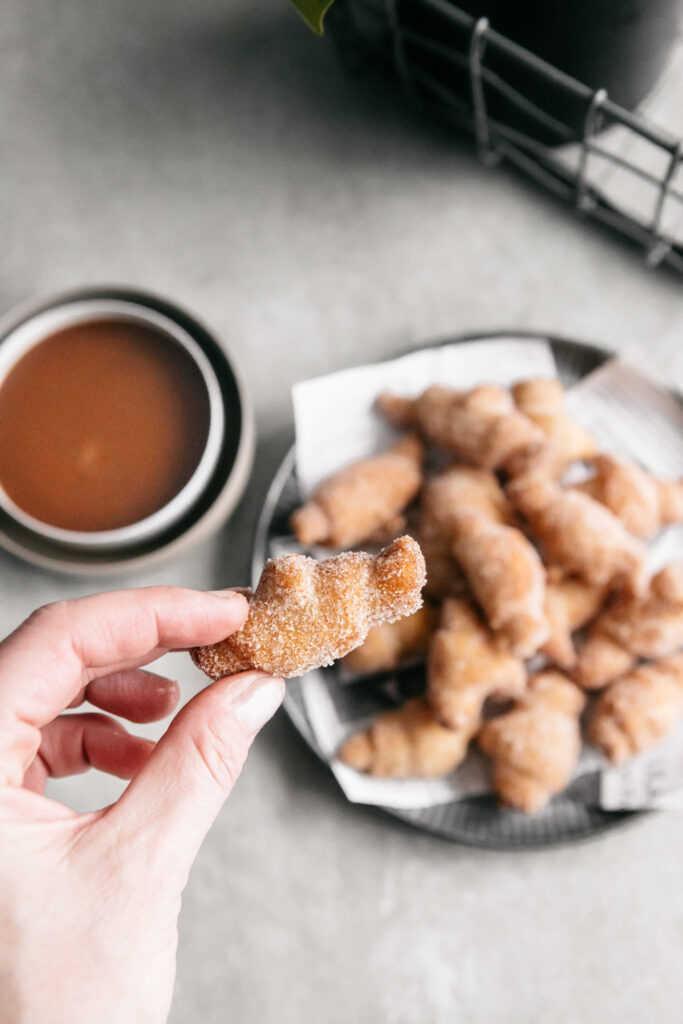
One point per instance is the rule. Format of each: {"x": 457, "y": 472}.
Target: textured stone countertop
{"x": 214, "y": 152}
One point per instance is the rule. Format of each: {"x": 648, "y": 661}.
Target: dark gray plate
{"x": 475, "y": 821}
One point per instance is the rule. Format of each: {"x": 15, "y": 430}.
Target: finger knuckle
{"x": 49, "y": 614}
{"x": 221, "y": 752}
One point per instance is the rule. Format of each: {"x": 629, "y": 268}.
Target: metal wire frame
{"x": 497, "y": 140}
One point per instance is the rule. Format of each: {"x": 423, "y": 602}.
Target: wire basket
{"x": 618, "y": 167}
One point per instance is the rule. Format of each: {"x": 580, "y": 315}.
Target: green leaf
{"x": 313, "y": 12}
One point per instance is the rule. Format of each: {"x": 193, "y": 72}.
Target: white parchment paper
{"x": 334, "y": 417}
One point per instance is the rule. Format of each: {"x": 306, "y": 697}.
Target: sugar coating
{"x": 481, "y": 426}
{"x": 390, "y": 643}
{"x": 444, "y": 500}
{"x": 570, "y": 604}
{"x": 406, "y": 742}
{"x": 647, "y": 626}
{"x": 507, "y": 577}
{"x": 362, "y": 498}
{"x": 305, "y": 614}
{"x": 466, "y": 666}
{"x": 467, "y": 522}
{"x": 579, "y": 534}
{"x": 642, "y": 502}
{"x": 534, "y": 748}
{"x": 542, "y": 401}
{"x": 638, "y": 709}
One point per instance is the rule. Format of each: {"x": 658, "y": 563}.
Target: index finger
{"x": 51, "y": 656}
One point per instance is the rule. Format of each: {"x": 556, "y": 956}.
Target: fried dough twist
{"x": 542, "y": 401}
{"x": 406, "y": 742}
{"x": 391, "y": 643}
{"x": 534, "y": 748}
{"x": 639, "y": 709}
{"x": 465, "y": 519}
{"x": 481, "y": 426}
{"x": 507, "y": 578}
{"x": 444, "y": 576}
{"x": 466, "y": 666}
{"x": 643, "y": 502}
{"x": 444, "y": 499}
{"x": 570, "y": 604}
{"x": 631, "y": 628}
{"x": 363, "y": 498}
{"x": 579, "y": 534}
{"x": 305, "y": 614}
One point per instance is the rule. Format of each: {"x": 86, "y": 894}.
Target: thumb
{"x": 175, "y": 798}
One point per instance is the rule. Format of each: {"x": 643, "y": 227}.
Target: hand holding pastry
{"x": 362, "y": 498}
{"x": 630, "y": 628}
{"x": 639, "y": 709}
{"x": 407, "y": 742}
{"x": 534, "y": 748}
{"x": 305, "y": 614}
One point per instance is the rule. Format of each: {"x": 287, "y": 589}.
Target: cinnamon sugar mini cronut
{"x": 305, "y": 614}
{"x": 364, "y": 499}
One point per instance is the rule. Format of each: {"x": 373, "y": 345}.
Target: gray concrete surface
{"x": 214, "y": 152}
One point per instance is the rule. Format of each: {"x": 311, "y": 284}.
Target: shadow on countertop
{"x": 208, "y": 71}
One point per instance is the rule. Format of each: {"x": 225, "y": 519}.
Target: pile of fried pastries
{"x": 537, "y": 591}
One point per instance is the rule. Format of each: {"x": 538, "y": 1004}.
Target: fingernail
{"x": 229, "y": 595}
{"x": 254, "y": 699}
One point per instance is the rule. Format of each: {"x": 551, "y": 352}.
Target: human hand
{"x": 89, "y": 902}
